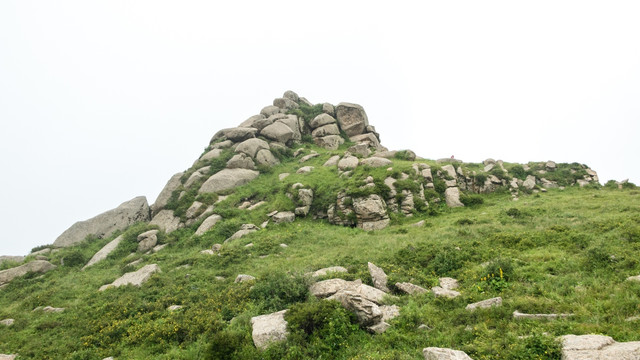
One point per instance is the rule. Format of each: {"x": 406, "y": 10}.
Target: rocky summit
{"x": 297, "y": 234}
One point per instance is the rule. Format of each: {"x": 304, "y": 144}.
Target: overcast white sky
{"x": 101, "y": 101}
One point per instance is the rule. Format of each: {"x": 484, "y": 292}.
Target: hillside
{"x": 303, "y": 187}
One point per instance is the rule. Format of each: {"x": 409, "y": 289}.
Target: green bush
{"x": 74, "y": 258}
{"x": 514, "y": 213}
{"x": 403, "y": 155}
{"x": 472, "y": 199}
{"x": 519, "y": 172}
{"x": 277, "y": 291}
{"x": 225, "y": 344}
{"x": 479, "y": 179}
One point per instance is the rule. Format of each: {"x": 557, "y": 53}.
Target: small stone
{"x": 283, "y": 176}
{"x": 7, "y": 322}
{"x": 242, "y": 278}
{"x": 284, "y": 245}
{"x": 174, "y": 307}
{"x": 305, "y": 170}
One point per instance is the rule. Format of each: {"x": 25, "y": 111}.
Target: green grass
{"x": 564, "y": 251}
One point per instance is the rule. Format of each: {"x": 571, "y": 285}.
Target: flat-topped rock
{"x": 327, "y": 270}
{"x": 245, "y": 229}
{"x": 105, "y": 224}
{"x": 322, "y": 120}
{"x": 38, "y": 266}
{"x": 434, "y": 353}
{"x": 442, "y": 292}
{"x": 104, "y": 252}
{"x": 227, "y": 179}
{"x": 330, "y": 142}
{"x": 376, "y": 162}
{"x": 135, "y": 278}
{"x": 600, "y": 347}
{"x": 251, "y": 147}
{"x": 10, "y": 258}
{"x": 410, "y": 288}
{"x": 283, "y": 217}
{"x": 367, "y": 312}
{"x": 485, "y": 304}
{"x": 278, "y": 132}
{"x": 166, "y": 220}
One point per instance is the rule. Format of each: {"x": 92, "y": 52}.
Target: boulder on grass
{"x": 269, "y": 328}
{"x": 352, "y": 118}
{"x": 135, "y": 278}
{"x": 104, "y": 252}
{"x": 434, "y": 353}
{"x": 227, "y": 179}
{"x": 38, "y": 266}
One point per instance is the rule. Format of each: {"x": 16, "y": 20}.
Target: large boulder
{"x": 378, "y": 277}
{"x": 347, "y": 163}
{"x": 241, "y": 161}
{"x": 252, "y": 146}
{"x": 278, "y": 131}
{"x": 376, "y": 162}
{"x": 293, "y": 123}
{"x": 166, "y": 220}
{"x": 104, "y": 252}
{"x": 105, "y": 224}
{"x": 352, "y": 118}
{"x": 227, "y": 179}
{"x": 530, "y": 182}
{"x": 330, "y": 142}
{"x": 135, "y": 278}
{"x": 599, "y": 347}
{"x": 165, "y": 194}
{"x": 434, "y": 353}
{"x": 367, "y": 312}
{"x": 452, "y": 196}
{"x": 208, "y": 223}
{"x": 371, "y": 212}
{"x": 329, "y": 129}
{"x": 266, "y": 158}
{"x": 147, "y": 240}
{"x": 38, "y": 266}
{"x": 284, "y": 103}
{"x": 237, "y": 134}
{"x": 321, "y": 120}
{"x": 268, "y": 329}
{"x": 369, "y": 138}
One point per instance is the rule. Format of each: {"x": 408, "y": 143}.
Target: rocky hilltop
{"x": 275, "y": 186}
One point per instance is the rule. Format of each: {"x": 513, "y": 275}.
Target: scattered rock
{"x": 333, "y": 161}
{"x": 105, "y": 224}
{"x": 8, "y": 356}
{"x": 158, "y": 248}
{"x": 147, "y": 240}
{"x": 135, "y": 278}
{"x": 9, "y": 258}
{"x": 530, "y": 182}
{"x": 283, "y": 176}
{"x": 284, "y": 245}
{"x": 283, "y": 217}
{"x": 410, "y": 288}
{"x": 268, "y": 329}
{"x": 448, "y": 283}
{"x": 104, "y": 252}
{"x": 227, "y": 179}
{"x": 484, "y": 304}
{"x": 305, "y": 170}
{"x": 245, "y": 229}
{"x": 174, "y": 307}
{"x": 519, "y": 315}
{"x": 242, "y": 278}
{"x": 7, "y": 322}
{"x": 38, "y": 266}
{"x": 51, "y": 309}
{"x": 208, "y": 223}
{"x": 442, "y": 292}
{"x": 434, "y": 353}
{"x": 378, "y": 277}
{"x": 582, "y": 347}
{"x": 332, "y": 269}
{"x": 634, "y": 278}
{"x": 309, "y": 157}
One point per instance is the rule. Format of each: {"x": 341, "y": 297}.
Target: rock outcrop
{"x": 227, "y": 179}
{"x": 105, "y": 224}
{"x": 582, "y": 347}
{"x": 38, "y": 266}
{"x": 104, "y": 252}
{"x": 434, "y": 353}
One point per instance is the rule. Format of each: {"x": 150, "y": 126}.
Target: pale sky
{"x": 102, "y": 101}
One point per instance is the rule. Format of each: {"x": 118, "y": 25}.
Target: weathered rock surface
{"x": 268, "y": 329}
{"x": 227, "y": 179}
{"x": 245, "y": 229}
{"x": 325, "y": 271}
{"x": 376, "y": 162}
{"x": 243, "y": 277}
{"x": 378, "y": 277}
{"x": 305, "y": 170}
{"x": 147, "y": 240}
{"x": 283, "y": 217}
{"x": 634, "y": 278}
{"x": 367, "y": 312}
{"x": 485, "y": 304}
{"x": 241, "y": 161}
{"x": 322, "y": 120}
{"x": 371, "y": 212}
{"x": 277, "y": 132}
{"x": 237, "y": 134}
{"x": 104, "y": 252}
{"x": 105, "y": 224}
{"x": 8, "y": 356}
{"x": 266, "y": 158}
{"x": 439, "y": 291}
{"x": 38, "y": 266}
{"x": 330, "y": 142}
{"x": 352, "y": 118}
{"x": 348, "y": 162}
{"x": 326, "y": 130}
{"x": 600, "y": 347}
{"x": 518, "y": 315}
{"x": 434, "y": 353}
{"x": 410, "y": 288}
{"x": 166, "y": 221}
{"x": 208, "y": 223}
{"x": 530, "y": 182}
{"x": 165, "y": 194}
{"x": 448, "y": 283}
{"x": 135, "y": 278}
{"x": 452, "y": 197}
{"x": 7, "y": 322}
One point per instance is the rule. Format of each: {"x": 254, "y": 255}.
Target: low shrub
{"x": 278, "y": 291}
{"x": 472, "y": 200}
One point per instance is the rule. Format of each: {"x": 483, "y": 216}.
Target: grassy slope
{"x": 565, "y": 251}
